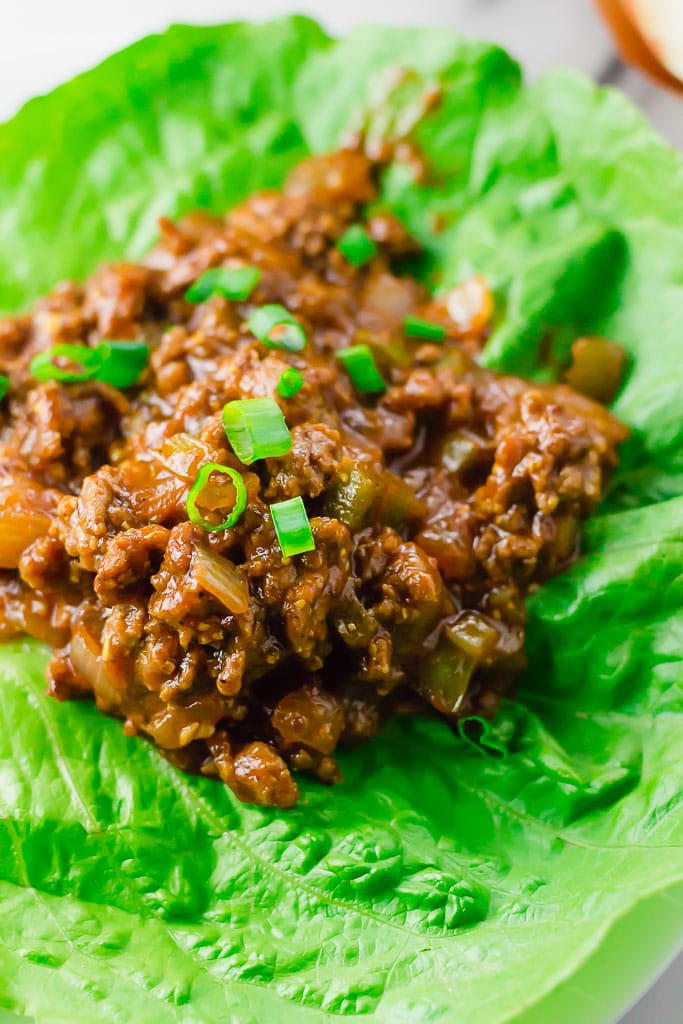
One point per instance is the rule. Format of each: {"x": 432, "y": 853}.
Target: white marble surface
{"x": 43, "y": 42}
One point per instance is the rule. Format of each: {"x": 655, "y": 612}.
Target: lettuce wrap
{"x": 453, "y": 877}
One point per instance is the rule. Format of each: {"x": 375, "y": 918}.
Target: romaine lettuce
{"x": 439, "y": 883}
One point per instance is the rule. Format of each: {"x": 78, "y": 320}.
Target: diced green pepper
{"x": 445, "y": 676}
{"x": 397, "y": 503}
{"x": 352, "y": 497}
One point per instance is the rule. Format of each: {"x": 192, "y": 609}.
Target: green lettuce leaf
{"x": 452, "y": 878}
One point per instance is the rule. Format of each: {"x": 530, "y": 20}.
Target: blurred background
{"x": 43, "y": 42}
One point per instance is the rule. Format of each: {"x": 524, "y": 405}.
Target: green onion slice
{"x": 415, "y": 327}
{"x": 195, "y": 516}
{"x": 290, "y": 382}
{"x": 256, "y": 429}
{"x": 119, "y": 363}
{"x": 122, "y": 362}
{"x": 292, "y": 527}
{"x": 4, "y": 386}
{"x": 235, "y": 283}
{"x": 356, "y": 246}
{"x": 276, "y": 327}
{"x": 359, "y": 363}
{"x": 44, "y": 367}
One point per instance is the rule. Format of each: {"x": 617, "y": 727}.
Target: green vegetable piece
{"x": 352, "y": 496}
{"x": 256, "y": 429}
{"x": 479, "y": 734}
{"x": 45, "y": 365}
{"x": 119, "y": 363}
{"x": 414, "y": 327}
{"x": 292, "y": 527}
{"x": 356, "y": 246}
{"x": 290, "y": 383}
{"x": 122, "y": 362}
{"x": 397, "y": 504}
{"x": 445, "y": 677}
{"x": 276, "y": 327}
{"x": 199, "y": 486}
{"x": 359, "y": 363}
{"x": 4, "y": 386}
{"x": 236, "y": 283}
{"x": 597, "y": 368}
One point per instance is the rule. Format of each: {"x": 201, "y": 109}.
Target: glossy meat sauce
{"x": 434, "y": 507}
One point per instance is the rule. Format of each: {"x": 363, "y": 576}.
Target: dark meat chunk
{"x": 309, "y": 716}
{"x": 256, "y": 773}
{"x": 311, "y": 465}
{"x": 87, "y": 522}
{"x": 115, "y": 299}
{"x": 128, "y": 559}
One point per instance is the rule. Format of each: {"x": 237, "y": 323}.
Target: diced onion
{"x": 104, "y": 676}
{"x": 222, "y": 579}
{"x": 20, "y": 527}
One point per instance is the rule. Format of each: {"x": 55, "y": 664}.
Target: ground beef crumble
{"x": 434, "y": 507}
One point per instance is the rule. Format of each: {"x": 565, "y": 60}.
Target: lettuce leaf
{"x": 442, "y": 882}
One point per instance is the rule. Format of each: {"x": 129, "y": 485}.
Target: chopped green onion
{"x": 256, "y": 429}
{"x": 4, "y": 386}
{"x": 359, "y": 363}
{"x": 290, "y": 382}
{"x": 235, "y": 283}
{"x": 119, "y": 363}
{"x": 356, "y": 246}
{"x": 122, "y": 362}
{"x": 276, "y": 327}
{"x": 415, "y": 327}
{"x": 43, "y": 366}
{"x": 198, "y": 486}
{"x": 292, "y": 527}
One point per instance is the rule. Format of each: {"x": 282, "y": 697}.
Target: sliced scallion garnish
{"x": 359, "y": 363}
{"x": 356, "y": 246}
{"x": 45, "y": 367}
{"x": 292, "y": 527}
{"x": 236, "y": 283}
{"x": 276, "y": 327}
{"x": 256, "y": 429}
{"x": 122, "y": 362}
{"x": 119, "y": 363}
{"x": 416, "y": 327}
{"x": 290, "y": 382}
{"x": 200, "y": 484}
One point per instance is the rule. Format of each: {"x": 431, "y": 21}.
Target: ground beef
{"x": 434, "y": 506}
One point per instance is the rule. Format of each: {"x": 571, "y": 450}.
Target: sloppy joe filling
{"x": 371, "y": 526}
